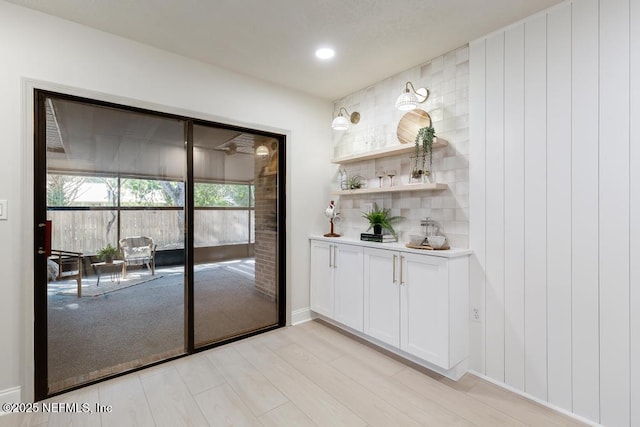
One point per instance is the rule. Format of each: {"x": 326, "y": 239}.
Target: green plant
{"x": 108, "y": 252}
{"x": 381, "y": 217}
{"x": 354, "y": 182}
{"x": 424, "y": 148}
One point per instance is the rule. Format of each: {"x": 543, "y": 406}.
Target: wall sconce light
{"x": 262, "y": 151}
{"x": 341, "y": 122}
{"x": 410, "y": 98}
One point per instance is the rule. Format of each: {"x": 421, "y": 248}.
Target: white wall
{"x": 555, "y": 208}
{"x": 447, "y": 78}
{"x": 39, "y": 48}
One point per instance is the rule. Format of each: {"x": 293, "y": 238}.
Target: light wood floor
{"x": 305, "y": 375}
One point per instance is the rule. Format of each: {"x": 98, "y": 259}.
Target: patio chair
{"x": 69, "y": 266}
{"x": 137, "y": 251}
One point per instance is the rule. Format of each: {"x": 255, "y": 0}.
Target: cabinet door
{"x": 348, "y": 285}
{"x": 424, "y": 308}
{"x": 382, "y": 295}
{"x": 321, "y": 277}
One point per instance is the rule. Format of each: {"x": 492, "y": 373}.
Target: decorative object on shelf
{"x": 343, "y": 179}
{"x": 354, "y": 182}
{"x": 107, "y": 253}
{"x": 428, "y": 247}
{"x": 423, "y": 149}
{"x": 381, "y": 219}
{"x": 379, "y": 153}
{"x": 416, "y": 239}
{"x": 411, "y": 123}
{"x": 378, "y": 238}
{"x": 341, "y": 122}
{"x": 380, "y": 173}
{"x": 430, "y": 227}
{"x": 436, "y": 242}
{"x": 410, "y": 98}
{"x": 333, "y": 216}
{"x": 391, "y": 173}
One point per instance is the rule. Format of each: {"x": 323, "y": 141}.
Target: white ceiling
{"x": 275, "y": 40}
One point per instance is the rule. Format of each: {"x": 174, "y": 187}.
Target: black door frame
{"x": 41, "y": 388}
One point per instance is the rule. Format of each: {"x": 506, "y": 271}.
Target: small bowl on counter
{"x": 436, "y": 242}
{"x": 416, "y": 240}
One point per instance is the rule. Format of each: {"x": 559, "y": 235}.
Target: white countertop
{"x": 449, "y": 253}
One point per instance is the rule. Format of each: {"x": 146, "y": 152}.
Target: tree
{"x": 205, "y": 195}
{"x": 174, "y": 194}
{"x": 145, "y": 192}
{"x": 112, "y": 195}
{"x": 63, "y": 190}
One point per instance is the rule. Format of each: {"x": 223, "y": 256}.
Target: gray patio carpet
{"x": 90, "y": 337}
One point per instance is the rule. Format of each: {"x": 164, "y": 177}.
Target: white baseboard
{"x": 300, "y": 316}
{"x": 454, "y": 373}
{"x": 10, "y": 395}
{"x": 535, "y": 399}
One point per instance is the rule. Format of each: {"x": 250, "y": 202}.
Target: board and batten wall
{"x": 555, "y": 208}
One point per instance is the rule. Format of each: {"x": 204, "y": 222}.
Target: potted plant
{"x": 354, "y": 182}
{"x": 423, "y": 148}
{"x": 107, "y": 253}
{"x": 380, "y": 219}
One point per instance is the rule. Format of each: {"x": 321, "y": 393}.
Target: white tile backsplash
{"x": 447, "y": 78}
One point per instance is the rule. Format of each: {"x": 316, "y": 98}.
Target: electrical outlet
{"x": 475, "y": 314}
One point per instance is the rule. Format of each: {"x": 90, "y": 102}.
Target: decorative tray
{"x": 428, "y": 247}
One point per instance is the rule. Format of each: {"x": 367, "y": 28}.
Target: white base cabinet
{"x": 321, "y": 283}
{"x": 434, "y": 301}
{"x": 336, "y": 282}
{"x": 382, "y": 296}
{"x": 413, "y": 302}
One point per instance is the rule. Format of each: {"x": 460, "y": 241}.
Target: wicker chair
{"x": 137, "y": 251}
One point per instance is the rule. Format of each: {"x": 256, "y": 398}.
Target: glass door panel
{"x": 114, "y": 178}
{"x": 235, "y": 234}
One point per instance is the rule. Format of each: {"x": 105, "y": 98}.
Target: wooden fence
{"x": 87, "y": 231}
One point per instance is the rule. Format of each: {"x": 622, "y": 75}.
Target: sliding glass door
{"x": 235, "y": 251}
{"x": 111, "y": 176}
{"x": 155, "y": 237}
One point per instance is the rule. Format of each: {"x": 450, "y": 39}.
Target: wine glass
{"x": 380, "y": 174}
{"x": 391, "y": 173}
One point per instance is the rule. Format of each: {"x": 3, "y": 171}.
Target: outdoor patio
{"x": 119, "y": 326}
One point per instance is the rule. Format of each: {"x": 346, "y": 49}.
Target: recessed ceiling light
{"x": 325, "y": 53}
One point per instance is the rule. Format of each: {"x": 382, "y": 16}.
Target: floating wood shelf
{"x": 394, "y": 150}
{"x": 436, "y": 186}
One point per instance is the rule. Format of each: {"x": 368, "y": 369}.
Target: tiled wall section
{"x": 447, "y": 78}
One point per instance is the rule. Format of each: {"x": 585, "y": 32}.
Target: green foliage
{"x": 216, "y": 195}
{"x": 145, "y": 192}
{"x": 382, "y": 217}
{"x": 63, "y": 190}
{"x": 108, "y": 251}
{"x": 354, "y": 182}
{"x": 424, "y": 146}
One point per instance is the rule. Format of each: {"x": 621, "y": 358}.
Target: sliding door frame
{"x": 41, "y": 374}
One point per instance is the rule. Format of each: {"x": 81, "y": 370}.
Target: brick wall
{"x": 266, "y": 227}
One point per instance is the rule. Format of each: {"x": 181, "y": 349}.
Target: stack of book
{"x": 380, "y": 238}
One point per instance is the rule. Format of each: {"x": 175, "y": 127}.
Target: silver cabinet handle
{"x": 335, "y": 257}
{"x": 330, "y": 247}
{"x": 395, "y": 258}
{"x": 401, "y": 268}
